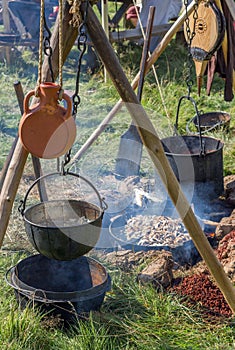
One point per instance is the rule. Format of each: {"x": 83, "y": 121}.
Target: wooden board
{"x": 134, "y": 34}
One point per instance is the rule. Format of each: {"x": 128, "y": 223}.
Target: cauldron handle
{"x": 189, "y": 98}
{"x": 22, "y": 205}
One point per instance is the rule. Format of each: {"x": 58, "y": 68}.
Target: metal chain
{"x": 67, "y": 158}
{"x": 190, "y": 35}
{"x": 47, "y": 47}
{"x": 44, "y": 41}
{"x": 81, "y": 45}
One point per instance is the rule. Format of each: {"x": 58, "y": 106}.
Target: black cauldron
{"x": 65, "y": 288}
{"x": 211, "y": 121}
{"x": 196, "y": 159}
{"x": 63, "y": 229}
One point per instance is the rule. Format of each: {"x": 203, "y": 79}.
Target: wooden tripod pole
{"x": 154, "y": 147}
{"x": 19, "y": 157}
{"x": 151, "y": 60}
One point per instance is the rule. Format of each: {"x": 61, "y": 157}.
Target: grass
{"x": 132, "y": 316}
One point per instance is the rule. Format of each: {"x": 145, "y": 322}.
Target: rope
{"x": 75, "y": 11}
{"x": 42, "y": 10}
{"x": 61, "y": 48}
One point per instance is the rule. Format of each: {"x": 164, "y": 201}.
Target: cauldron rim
{"x": 221, "y": 144}
{"x": 226, "y": 119}
{"x": 99, "y": 288}
{"x": 34, "y": 206}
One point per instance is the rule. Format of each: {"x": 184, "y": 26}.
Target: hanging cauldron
{"x": 212, "y": 121}
{"x": 63, "y": 229}
{"x": 196, "y": 159}
{"x": 65, "y": 288}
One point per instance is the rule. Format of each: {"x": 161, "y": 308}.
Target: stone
{"x": 158, "y": 272}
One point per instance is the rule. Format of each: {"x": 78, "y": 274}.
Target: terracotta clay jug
{"x": 47, "y": 129}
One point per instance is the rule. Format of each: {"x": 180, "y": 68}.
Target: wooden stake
{"x": 155, "y": 149}
{"x": 10, "y": 186}
{"x": 20, "y": 97}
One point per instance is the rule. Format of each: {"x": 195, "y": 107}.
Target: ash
{"x": 154, "y": 230}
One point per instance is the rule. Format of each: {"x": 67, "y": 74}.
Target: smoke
{"x": 115, "y": 195}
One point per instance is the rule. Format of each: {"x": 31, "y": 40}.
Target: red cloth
{"x": 217, "y": 63}
{"x": 132, "y": 12}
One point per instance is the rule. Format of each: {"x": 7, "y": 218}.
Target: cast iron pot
{"x": 196, "y": 159}
{"x": 65, "y": 288}
{"x": 54, "y": 229}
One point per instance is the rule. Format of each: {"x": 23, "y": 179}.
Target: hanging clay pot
{"x": 47, "y": 129}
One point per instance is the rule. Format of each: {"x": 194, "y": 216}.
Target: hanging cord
{"x": 190, "y": 35}
{"x": 76, "y": 12}
{"x": 61, "y": 49}
{"x": 48, "y": 49}
{"x": 42, "y": 16}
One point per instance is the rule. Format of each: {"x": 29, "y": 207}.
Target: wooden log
{"x": 19, "y": 95}
{"x": 7, "y": 162}
{"x": 151, "y": 60}
{"x": 10, "y": 186}
{"x": 20, "y": 155}
{"x": 154, "y": 147}
{"x": 136, "y": 33}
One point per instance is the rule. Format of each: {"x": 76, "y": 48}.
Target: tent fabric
{"x": 164, "y": 11}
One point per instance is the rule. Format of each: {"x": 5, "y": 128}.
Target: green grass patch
{"x": 132, "y": 317}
